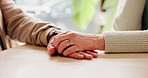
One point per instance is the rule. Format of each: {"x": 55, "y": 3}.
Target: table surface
{"x": 33, "y": 62}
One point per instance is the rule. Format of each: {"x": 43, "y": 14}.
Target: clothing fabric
{"x": 18, "y": 25}
{"x": 145, "y": 17}
{"x": 128, "y": 36}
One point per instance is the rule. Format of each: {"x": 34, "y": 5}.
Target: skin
{"x": 76, "y": 45}
{"x": 77, "y": 55}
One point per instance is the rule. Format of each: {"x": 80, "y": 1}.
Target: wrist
{"x": 52, "y": 33}
{"x": 100, "y": 42}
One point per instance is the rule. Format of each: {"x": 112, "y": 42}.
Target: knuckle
{"x": 72, "y": 34}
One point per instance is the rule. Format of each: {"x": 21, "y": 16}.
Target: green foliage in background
{"x": 84, "y": 12}
{"x": 111, "y": 5}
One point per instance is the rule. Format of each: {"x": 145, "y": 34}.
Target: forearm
{"x": 22, "y": 27}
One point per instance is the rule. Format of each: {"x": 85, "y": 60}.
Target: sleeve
{"x": 22, "y": 27}
{"x": 128, "y": 15}
{"x": 126, "y": 41}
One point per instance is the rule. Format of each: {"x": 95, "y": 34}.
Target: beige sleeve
{"x": 129, "y": 14}
{"x": 128, "y": 17}
{"x": 22, "y": 27}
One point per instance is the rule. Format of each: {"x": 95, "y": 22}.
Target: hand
{"x": 78, "y": 55}
{"x": 71, "y": 42}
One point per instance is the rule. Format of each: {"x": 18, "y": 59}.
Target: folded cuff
{"x": 43, "y": 36}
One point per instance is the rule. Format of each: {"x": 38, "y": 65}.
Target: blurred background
{"x": 89, "y": 16}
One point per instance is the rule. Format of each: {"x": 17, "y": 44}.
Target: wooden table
{"x": 33, "y": 62}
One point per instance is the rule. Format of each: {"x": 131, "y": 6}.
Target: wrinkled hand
{"x": 76, "y": 45}
{"x": 78, "y": 55}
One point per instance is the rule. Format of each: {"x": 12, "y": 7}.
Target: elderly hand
{"x": 89, "y": 54}
{"x": 71, "y": 43}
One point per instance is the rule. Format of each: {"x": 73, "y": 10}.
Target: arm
{"x": 129, "y": 15}
{"x": 22, "y": 27}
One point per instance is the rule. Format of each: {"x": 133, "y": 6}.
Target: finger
{"x": 86, "y": 56}
{"x": 93, "y": 53}
{"x": 50, "y": 47}
{"x": 57, "y": 36}
{"x": 63, "y": 45}
{"x": 60, "y": 38}
{"x": 76, "y": 55}
{"x": 51, "y": 50}
{"x": 70, "y": 50}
